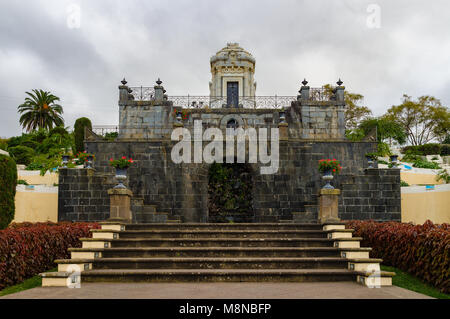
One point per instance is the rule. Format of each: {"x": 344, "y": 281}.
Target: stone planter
{"x": 121, "y": 176}
{"x": 327, "y": 177}
{"x": 394, "y": 160}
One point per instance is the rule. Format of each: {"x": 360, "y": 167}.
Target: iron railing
{"x": 142, "y": 93}
{"x": 104, "y": 129}
{"x": 320, "y": 94}
{"x": 251, "y": 102}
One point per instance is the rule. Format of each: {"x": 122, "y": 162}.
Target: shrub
{"x": 28, "y": 249}
{"x": 403, "y": 184}
{"x": 79, "y": 126}
{"x": 445, "y": 149}
{"x": 421, "y": 250}
{"x": 8, "y": 182}
{"x": 426, "y": 164}
{"x": 111, "y": 136}
{"x": 425, "y": 149}
{"x": 444, "y": 176}
{"x": 22, "y": 182}
{"x": 21, "y": 154}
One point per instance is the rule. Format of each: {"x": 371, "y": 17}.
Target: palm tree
{"x": 40, "y": 111}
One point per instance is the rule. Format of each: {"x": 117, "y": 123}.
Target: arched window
{"x": 232, "y": 124}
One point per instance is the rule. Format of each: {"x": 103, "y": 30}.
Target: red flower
{"x": 123, "y": 157}
{"x": 110, "y": 159}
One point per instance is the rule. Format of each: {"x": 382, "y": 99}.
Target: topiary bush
{"x": 79, "y": 127}
{"x": 21, "y": 154}
{"x": 421, "y": 250}
{"x": 8, "y": 182}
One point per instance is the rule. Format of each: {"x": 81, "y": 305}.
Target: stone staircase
{"x": 174, "y": 252}
{"x": 148, "y": 213}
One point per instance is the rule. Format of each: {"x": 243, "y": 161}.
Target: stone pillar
{"x": 340, "y": 92}
{"x": 123, "y": 93}
{"x": 120, "y": 204}
{"x": 304, "y": 93}
{"x": 328, "y": 205}
{"x": 283, "y": 129}
{"x": 159, "y": 91}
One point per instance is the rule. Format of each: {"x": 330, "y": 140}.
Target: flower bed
{"x": 421, "y": 250}
{"x": 27, "y": 249}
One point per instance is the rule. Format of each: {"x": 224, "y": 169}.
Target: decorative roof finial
{"x": 304, "y": 82}
{"x": 159, "y": 81}
{"x": 123, "y": 81}
{"x": 339, "y": 82}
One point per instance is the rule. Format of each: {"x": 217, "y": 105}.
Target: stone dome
{"x": 232, "y": 52}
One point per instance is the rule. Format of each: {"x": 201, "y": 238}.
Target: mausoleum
{"x": 310, "y": 126}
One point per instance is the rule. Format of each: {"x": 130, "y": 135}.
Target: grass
{"x": 29, "y": 283}
{"x": 407, "y": 281}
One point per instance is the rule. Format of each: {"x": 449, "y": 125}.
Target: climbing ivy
{"x": 230, "y": 193}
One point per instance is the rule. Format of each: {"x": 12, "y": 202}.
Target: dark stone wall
{"x": 182, "y": 189}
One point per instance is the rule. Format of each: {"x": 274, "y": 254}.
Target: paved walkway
{"x": 327, "y": 290}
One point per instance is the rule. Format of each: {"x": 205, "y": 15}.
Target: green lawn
{"x": 407, "y": 281}
{"x": 29, "y": 283}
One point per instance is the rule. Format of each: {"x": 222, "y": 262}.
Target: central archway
{"x": 230, "y": 193}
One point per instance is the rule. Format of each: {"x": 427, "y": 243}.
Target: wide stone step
{"x": 225, "y": 242}
{"x": 224, "y": 251}
{"x": 218, "y": 275}
{"x": 216, "y": 263}
{"x": 224, "y": 226}
{"x": 229, "y": 233}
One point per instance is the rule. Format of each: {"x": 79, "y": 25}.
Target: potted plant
{"x": 328, "y": 167}
{"x": 121, "y": 165}
{"x": 85, "y": 158}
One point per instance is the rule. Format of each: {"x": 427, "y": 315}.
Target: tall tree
{"x": 354, "y": 113}
{"x": 424, "y": 119}
{"x": 386, "y": 129}
{"x": 40, "y": 111}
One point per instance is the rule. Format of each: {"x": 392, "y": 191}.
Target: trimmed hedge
{"x": 8, "y": 182}
{"x": 421, "y": 250}
{"x": 79, "y": 126}
{"x": 427, "y": 149}
{"x": 28, "y": 249}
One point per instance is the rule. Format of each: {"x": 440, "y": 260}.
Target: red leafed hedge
{"x": 27, "y": 249}
{"x": 421, "y": 250}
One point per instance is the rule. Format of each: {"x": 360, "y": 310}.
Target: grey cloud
{"x": 142, "y": 40}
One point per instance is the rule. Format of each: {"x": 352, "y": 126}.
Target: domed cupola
{"x": 232, "y": 71}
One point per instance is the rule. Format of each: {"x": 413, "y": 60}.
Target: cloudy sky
{"x": 380, "y": 49}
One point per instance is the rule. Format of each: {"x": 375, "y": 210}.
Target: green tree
{"x": 8, "y": 180}
{"x": 387, "y": 129}
{"x": 424, "y": 119}
{"x": 354, "y": 112}
{"x": 79, "y": 128}
{"x": 40, "y": 111}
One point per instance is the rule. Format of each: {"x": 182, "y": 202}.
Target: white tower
{"x": 232, "y": 71}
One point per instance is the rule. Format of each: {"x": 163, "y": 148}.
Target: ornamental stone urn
{"x": 327, "y": 177}
{"x": 121, "y": 176}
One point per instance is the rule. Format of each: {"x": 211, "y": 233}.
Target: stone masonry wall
{"x": 182, "y": 189}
